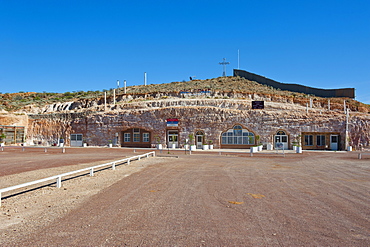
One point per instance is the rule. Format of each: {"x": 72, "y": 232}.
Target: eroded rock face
{"x": 212, "y": 116}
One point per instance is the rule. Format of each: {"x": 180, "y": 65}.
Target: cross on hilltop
{"x": 224, "y": 63}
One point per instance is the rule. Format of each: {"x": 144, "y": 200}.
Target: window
{"x": 127, "y": 137}
{"x": 320, "y": 140}
{"x": 308, "y": 140}
{"x": 76, "y": 137}
{"x": 145, "y": 137}
{"x": 136, "y": 135}
{"x": 238, "y": 136}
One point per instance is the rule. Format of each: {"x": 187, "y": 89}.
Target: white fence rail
{"x": 58, "y": 178}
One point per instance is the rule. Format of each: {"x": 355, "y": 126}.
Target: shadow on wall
{"x": 327, "y": 93}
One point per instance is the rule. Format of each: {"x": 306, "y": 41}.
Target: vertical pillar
{"x": 310, "y": 102}
{"x": 124, "y": 84}
{"x": 105, "y": 101}
{"x": 114, "y": 166}
{"x": 344, "y": 107}
{"x": 114, "y": 96}
{"x": 91, "y": 172}
{"x": 144, "y": 78}
{"x": 329, "y": 104}
{"x": 59, "y": 182}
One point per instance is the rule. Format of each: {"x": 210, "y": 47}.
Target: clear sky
{"x": 73, "y": 45}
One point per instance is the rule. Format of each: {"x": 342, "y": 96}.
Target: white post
{"x": 105, "y": 101}
{"x": 91, "y": 172}
{"x": 329, "y": 104}
{"x": 306, "y": 107}
{"x": 344, "y": 107}
{"x": 238, "y": 59}
{"x": 310, "y": 102}
{"x": 114, "y": 96}
{"x": 144, "y": 78}
{"x": 59, "y": 182}
{"x": 114, "y": 166}
{"x": 124, "y": 84}
{"x": 128, "y": 161}
{"x": 347, "y": 131}
{"x": 0, "y": 199}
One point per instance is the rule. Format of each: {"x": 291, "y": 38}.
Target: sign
{"x": 172, "y": 122}
{"x": 258, "y": 104}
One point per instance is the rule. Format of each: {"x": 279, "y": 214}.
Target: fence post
{"x": 128, "y": 162}
{"x": 63, "y": 150}
{"x": 59, "y": 182}
{"x": 114, "y": 166}
{"x": 359, "y": 156}
{"x": 45, "y": 150}
{"x": 0, "y": 199}
{"x": 138, "y": 158}
{"x": 91, "y": 172}
{"x": 153, "y": 154}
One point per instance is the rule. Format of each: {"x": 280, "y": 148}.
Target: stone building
{"x": 225, "y": 119}
{"x": 226, "y": 123}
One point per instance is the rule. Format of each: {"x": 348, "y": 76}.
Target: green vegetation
{"x": 220, "y": 88}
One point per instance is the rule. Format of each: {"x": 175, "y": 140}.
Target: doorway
{"x": 281, "y": 140}
{"x": 76, "y": 140}
{"x": 334, "y": 140}
{"x": 199, "y": 138}
{"x": 173, "y": 138}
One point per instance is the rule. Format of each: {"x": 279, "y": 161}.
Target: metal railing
{"x": 58, "y": 178}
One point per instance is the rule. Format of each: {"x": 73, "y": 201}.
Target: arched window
{"x": 237, "y": 136}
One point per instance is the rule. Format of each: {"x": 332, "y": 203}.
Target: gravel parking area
{"x": 203, "y": 199}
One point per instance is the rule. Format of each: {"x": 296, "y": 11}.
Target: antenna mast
{"x": 224, "y": 63}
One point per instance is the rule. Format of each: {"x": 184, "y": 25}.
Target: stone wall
{"x": 211, "y": 116}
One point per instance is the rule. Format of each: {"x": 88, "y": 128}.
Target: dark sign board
{"x": 258, "y": 104}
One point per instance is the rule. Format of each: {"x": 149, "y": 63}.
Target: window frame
{"x": 308, "y": 140}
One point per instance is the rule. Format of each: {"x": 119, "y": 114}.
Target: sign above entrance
{"x": 172, "y": 122}
{"x": 258, "y": 104}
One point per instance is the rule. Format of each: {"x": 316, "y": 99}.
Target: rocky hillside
{"x": 235, "y": 88}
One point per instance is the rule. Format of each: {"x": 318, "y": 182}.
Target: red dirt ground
{"x": 206, "y": 199}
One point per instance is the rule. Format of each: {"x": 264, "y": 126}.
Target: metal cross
{"x": 224, "y": 63}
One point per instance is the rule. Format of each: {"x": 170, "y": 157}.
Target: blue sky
{"x": 60, "y": 46}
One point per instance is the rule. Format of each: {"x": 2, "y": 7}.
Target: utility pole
{"x": 347, "y": 130}
{"x": 224, "y": 63}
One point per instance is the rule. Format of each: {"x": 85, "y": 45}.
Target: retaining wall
{"x": 328, "y": 93}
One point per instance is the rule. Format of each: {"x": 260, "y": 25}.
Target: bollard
{"x": 63, "y": 150}
{"x": 91, "y": 172}
{"x": 45, "y": 150}
{"x": 59, "y": 182}
{"x": 114, "y": 166}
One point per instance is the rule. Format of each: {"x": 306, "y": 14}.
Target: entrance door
{"x": 281, "y": 140}
{"x": 199, "y": 139}
{"x": 76, "y": 140}
{"x": 334, "y": 140}
{"x": 173, "y": 136}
